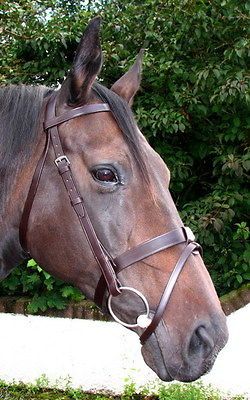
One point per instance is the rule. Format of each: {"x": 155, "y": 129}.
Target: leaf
{"x": 247, "y": 6}
{"x": 71, "y": 293}
{"x": 31, "y": 263}
{"x": 56, "y": 301}
{"x": 218, "y": 224}
{"x": 37, "y": 303}
{"x": 46, "y": 275}
{"x": 239, "y": 52}
{"x": 236, "y": 121}
{"x": 216, "y": 73}
{"x": 246, "y": 165}
{"x": 61, "y": 73}
{"x": 49, "y": 283}
{"x": 175, "y": 127}
{"x": 245, "y": 267}
{"x": 205, "y": 74}
{"x": 246, "y": 255}
{"x": 68, "y": 291}
{"x": 64, "y": 41}
{"x": 33, "y": 279}
{"x": 182, "y": 127}
{"x": 246, "y": 276}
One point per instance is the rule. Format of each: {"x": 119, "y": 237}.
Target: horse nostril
{"x": 201, "y": 342}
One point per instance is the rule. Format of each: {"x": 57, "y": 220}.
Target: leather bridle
{"x": 110, "y": 267}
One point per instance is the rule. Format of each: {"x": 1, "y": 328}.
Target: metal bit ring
{"x": 143, "y": 320}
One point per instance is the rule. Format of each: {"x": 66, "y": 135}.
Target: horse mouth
{"x": 170, "y": 361}
{"x": 157, "y": 362}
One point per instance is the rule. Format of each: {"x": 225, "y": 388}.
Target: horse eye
{"x": 105, "y": 175}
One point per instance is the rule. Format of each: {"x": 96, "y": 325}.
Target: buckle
{"x": 60, "y": 159}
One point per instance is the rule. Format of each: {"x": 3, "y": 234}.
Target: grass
{"x": 39, "y": 391}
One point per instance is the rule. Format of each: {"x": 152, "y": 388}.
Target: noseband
{"x": 110, "y": 267}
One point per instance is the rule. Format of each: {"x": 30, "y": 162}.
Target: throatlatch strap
{"x": 23, "y": 227}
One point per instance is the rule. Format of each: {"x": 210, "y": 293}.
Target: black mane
{"x": 20, "y": 107}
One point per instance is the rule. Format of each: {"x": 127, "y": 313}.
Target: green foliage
{"x": 193, "y": 106}
{"x": 190, "y": 392}
{"x": 20, "y": 391}
{"x": 175, "y": 391}
{"x": 44, "y": 290}
{"x": 226, "y": 244}
{"x": 130, "y": 391}
{"x": 44, "y": 390}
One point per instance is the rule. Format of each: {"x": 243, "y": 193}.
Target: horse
{"x": 86, "y": 196}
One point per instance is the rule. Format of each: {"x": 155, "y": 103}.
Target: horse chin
{"x": 153, "y": 357}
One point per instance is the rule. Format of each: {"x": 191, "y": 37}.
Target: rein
{"x": 110, "y": 267}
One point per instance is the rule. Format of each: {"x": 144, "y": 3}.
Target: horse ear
{"x": 86, "y": 65}
{"x": 129, "y": 83}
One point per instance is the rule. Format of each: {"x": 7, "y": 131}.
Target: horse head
{"x": 122, "y": 186}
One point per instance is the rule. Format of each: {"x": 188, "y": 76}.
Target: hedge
{"x": 193, "y": 108}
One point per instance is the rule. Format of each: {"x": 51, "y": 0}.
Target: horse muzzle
{"x": 173, "y": 358}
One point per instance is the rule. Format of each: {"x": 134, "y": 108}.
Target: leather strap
{"x": 149, "y": 248}
{"x": 141, "y": 251}
{"x": 75, "y": 112}
{"x": 190, "y": 248}
{"x": 31, "y": 196}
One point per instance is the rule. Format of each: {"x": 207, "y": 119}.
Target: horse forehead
{"x": 93, "y": 131}
{"x": 101, "y": 123}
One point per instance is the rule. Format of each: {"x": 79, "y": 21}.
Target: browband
{"x": 75, "y": 112}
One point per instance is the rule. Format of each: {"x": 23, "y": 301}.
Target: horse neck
{"x": 11, "y": 206}
{"x": 10, "y": 250}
